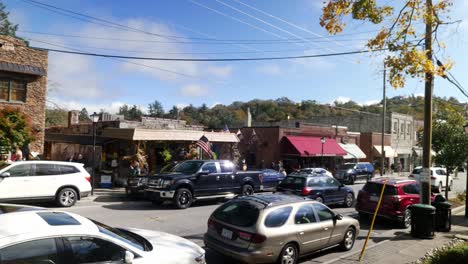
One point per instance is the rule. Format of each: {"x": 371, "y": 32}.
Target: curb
{"x": 458, "y": 210}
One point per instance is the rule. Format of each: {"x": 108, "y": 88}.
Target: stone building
{"x": 23, "y": 81}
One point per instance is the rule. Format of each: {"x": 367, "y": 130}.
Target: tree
{"x": 156, "y": 109}
{"x": 132, "y": 113}
{"x": 15, "y": 129}
{"x": 84, "y": 116}
{"x": 56, "y": 117}
{"x": 6, "y": 27}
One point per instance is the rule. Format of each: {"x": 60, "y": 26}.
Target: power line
{"x": 214, "y": 60}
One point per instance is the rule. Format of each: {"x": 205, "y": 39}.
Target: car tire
{"x": 66, "y": 197}
{"x": 289, "y": 254}
{"x": 319, "y": 199}
{"x": 183, "y": 198}
{"x": 406, "y": 222}
{"x": 247, "y": 190}
{"x": 349, "y": 200}
{"x": 348, "y": 240}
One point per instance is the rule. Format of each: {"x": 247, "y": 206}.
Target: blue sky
{"x": 95, "y": 83}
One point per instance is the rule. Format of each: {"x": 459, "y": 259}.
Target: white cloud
{"x": 269, "y": 69}
{"x": 370, "y": 102}
{"x": 341, "y": 100}
{"x": 193, "y": 90}
{"x": 111, "y": 107}
{"x": 220, "y": 72}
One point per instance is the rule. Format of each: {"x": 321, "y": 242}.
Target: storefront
{"x": 354, "y": 153}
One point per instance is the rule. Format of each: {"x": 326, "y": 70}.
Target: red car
{"x": 398, "y": 195}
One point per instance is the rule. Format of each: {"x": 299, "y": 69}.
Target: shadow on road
{"x": 147, "y": 205}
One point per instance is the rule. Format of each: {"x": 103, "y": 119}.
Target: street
{"x": 116, "y": 210}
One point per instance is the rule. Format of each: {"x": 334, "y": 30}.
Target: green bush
{"x": 455, "y": 255}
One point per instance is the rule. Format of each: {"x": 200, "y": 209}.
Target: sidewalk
{"x": 403, "y": 248}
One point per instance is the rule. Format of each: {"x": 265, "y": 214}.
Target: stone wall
{"x": 14, "y": 50}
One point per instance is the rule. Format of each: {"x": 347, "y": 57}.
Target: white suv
{"x": 438, "y": 177}
{"x": 64, "y": 182}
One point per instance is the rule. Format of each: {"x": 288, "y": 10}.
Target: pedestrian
{"x": 135, "y": 168}
{"x": 18, "y": 155}
{"x": 80, "y": 159}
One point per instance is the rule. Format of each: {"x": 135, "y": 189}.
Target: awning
{"x": 167, "y": 135}
{"x": 418, "y": 151}
{"x": 354, "y": 152}
{"x": 311, "y": 147}
{"x": 19, "y": 68}
{"x": 389, "y": 152}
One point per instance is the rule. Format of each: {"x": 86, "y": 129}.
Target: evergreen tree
{"x": 84, "y": 116}
{"x": 156, "y": 109}
{"x": 6, "y": 27}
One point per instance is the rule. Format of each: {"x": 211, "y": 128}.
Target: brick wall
{"x": 16, "y": 51}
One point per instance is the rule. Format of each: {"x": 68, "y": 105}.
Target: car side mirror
{"x": 338, "y": 216}
{"x": 129, "y": 257}
{"x": 203, "y": 173}
{"x": 5, "y": 174}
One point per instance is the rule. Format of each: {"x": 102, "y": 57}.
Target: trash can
{"x": 443, "y": 216}
{"x": 422, "y": 220}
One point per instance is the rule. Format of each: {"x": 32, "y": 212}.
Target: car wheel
{"x": 183, "y": 198}
{"x": 319, "y": 199}
{"x": 440, "y": 187}
{"x": 349, "y": 200}
{"x": 66, "y": 197}
{"x": 289, "y": 255}
{"x": 348, "y": 240}
{"x": 247, "y": 190}
{"x": 406, "y": 222}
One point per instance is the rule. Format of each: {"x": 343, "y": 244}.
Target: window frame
{"x": 290, "y": 208}
{"x": 314, "y": 213}
{"x": 31, "y": 170}
{"x": 59, "y": 247}
{"x": 10, "y": 89}
{"x": 215, "y": 164}
{"x": 315, "y": 205}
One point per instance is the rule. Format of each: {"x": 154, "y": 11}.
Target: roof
{"x": 20, "y": 68}
{"x": 46, "y": 162}
{"x": 167, "y": 135}
{"x": 391, "y": 181}
{"x": 311, "y": 147}
{"x": 354, "y": 152}
{"x": 271, "y": 200}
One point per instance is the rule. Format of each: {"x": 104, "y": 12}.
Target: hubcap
{"x": 349, "y": 239}
{"x": 407, "y": 218}
{"x": 248, "y": 191}
{"x": 184, "y": 198}
{"x": 67, "y": 198}
{"x": 289, "y": 256}
{"x": 349, "y": 200}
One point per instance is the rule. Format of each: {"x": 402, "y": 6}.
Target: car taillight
{"x": 433, "y": 178}
{"x": 254, "y": 238}
{"x": 88, "y": 178}
{"x": 411, "y": 176}
{"x": 306, "y": 191}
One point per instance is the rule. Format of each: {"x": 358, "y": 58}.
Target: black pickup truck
{"x": 202, "y": 179}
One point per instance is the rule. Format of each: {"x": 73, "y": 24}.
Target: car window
{"x": 416, "y": 171}
{"x": 278, "y": 217}
{"x": 293, "y": 183}
{"x": 315, "y": 182}
{"x": 65, "y": 169}
{"x": 210, "y": 167}
{"x": 238, "y": 213}
{"x": 331, "y": 182}
{"x": 38, "y": 251}
{"x": 305, "y": 215}
{"x": 412, "y": 188}
{"x": 375, "y": 189}
{"x": 226, "y": 167}
{"x": 323, "y": 212}
{"x": 47, "y": 170}
{"x": 20, "y": 170}
{"x": 441, "y": 172}
{"x": 90, "y": 250}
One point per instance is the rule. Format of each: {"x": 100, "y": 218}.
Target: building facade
{"x": 23, "y": 82}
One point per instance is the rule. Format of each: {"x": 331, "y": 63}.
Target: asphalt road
{"x": 115, "y": 210}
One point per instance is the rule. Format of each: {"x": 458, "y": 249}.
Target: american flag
{"x": 204, "y": 144}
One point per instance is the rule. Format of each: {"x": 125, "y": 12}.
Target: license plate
{"x": 226, "y": 233}
{"x": 374, "y": 198}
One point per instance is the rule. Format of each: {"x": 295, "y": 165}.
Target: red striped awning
{"x": 311, "y": 147}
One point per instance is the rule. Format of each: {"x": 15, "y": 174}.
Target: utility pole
{"x": 429, "y": 87}
{"x": 384, "y": 113}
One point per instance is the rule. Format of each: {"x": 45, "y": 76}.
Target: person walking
{"x": 135, "y": 169}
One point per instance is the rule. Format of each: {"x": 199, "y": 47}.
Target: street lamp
{"x": 95, "y": 119}
{"x": 323, "y": 143}
{"x": 465, "y": 127}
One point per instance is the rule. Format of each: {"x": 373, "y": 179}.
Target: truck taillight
{"x": 306, "y": 191}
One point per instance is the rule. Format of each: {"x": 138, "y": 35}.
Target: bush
{"x": 454, "y": 255}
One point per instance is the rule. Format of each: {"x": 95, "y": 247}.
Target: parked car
{"x": 62, "y": 182}
{"x": 41, "y": 236}
{"x": 138, "y": 184}
{"x": 317, "y": 171}
{"x": 438, "y": 178}
{"x": 271, "y": 179}
{"x": 323, "y": 189}
{"x": 398, "y": 195}
{"x": 202, "y": 179}
{"x": 268, "y": 228}
{"x": 350, "y": 172}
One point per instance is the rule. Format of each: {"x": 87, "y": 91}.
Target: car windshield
{"x": 376, "y": 188}
{"x": 347, "y": 166}
{"x": 238, "y": 213}
{"x": 188, "y": 167}
{"x": 168, "y": 167}
{"x": 124, "y": 236}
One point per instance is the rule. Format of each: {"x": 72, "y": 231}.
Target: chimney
{"x": 73, "y": 118}
{"x": 249, "y": 117}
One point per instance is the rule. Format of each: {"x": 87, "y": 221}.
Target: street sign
{"x": 425, "y": 175}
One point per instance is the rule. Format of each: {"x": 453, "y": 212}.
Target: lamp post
{"x": 95, "y": 119}
{"x": 323, "y": 143}
{"x": 465, "y": 127}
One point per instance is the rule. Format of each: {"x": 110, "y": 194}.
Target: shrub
{"x": 454, "y": 255}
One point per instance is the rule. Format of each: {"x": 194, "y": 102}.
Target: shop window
{"x": 408, "y": 130}
{"x": 12, "y": 90}
{"x": 402, "y": 129}
{"x": 395, "y": 127}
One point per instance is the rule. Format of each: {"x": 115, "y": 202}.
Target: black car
{"x": 350, "y": 172}
{"x": 324, "y": 189}
{"x": 138, "y": 184}
{"x": 202, "y": 179}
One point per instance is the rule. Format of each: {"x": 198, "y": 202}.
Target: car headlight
{"x": 144, "y": 181}
{"x": 200, "y": 259}
{"x": 167, "y": 183}
{"x": 349, "y": 171}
